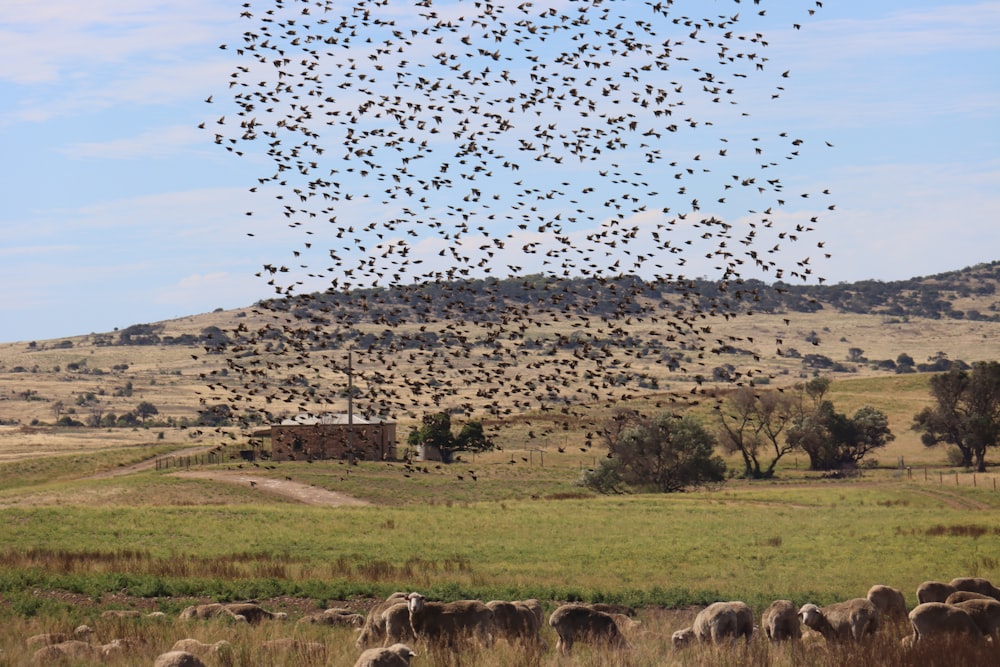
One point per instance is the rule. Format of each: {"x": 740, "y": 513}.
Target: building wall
{"x": 317, "y": 442}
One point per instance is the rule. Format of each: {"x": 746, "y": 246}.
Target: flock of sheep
{"x": 965, "y": 607}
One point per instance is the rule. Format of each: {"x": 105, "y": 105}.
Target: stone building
{"x": 316, "y": 438}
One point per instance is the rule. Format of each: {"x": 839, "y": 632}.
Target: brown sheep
{"x": 962, "y": 596}
{"x": 516, "y": 621}
{"x": 976, "y": 585}
{"x": 45, "y": 639}
{"x": 450, "y": 622}
{"x": 717, "y": 623}
{"x": 396, "y": 620}
{"x": 780, "y": 621}
{"x": 890, "y": 602}
{"x": 397, "y": 655}
{"x": 178, "y": 659}
{"x": 373, "y": 629}
{"x": 937, "y": 619}
{"x": 577, "y": 621}
{"x": 986, "y": 614}
{"x": 201, "y": 649}
{"x": 934, "y": 591}
{"x": 290, "y": 646}
{"x": 853, "y": 619}
{"x": 253, "y": 613}
{"x": 203, "y": 612}
{"x": 74, "y": 650}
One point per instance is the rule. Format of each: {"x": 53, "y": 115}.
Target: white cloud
{"x": 152, "y": 144}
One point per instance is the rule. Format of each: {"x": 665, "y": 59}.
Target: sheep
{"x": 203, "y": 612}
{"x": 396, "y": 620}
{"x": 373, "y": 629}
{"x": 75, "y": 650}
{"x": 447, "y": 622}
{"x": 535, "y": 607}
{"x": 121, "y": 613}
{"x": 937, "y": 619}
{"x": 71, "y": 650}
{"x": 577, "y": 621}
{"x": 45, "y": 639}
{"x": 335, "y": 616}
{"x": 781, "y": 621}
{"x": 842, "y": 620}
{"x": 517, "y": 621}
{"x": 962, "y": 596}
{"x": 890, "y": 602}
{"x": 253, "y": 613}
{"x": 976, "y": 585}
{"x": 397, "y": 655}
{"x": 289, "y": 645}
{"x": 934, "y": 591}
{"x": 201, "y": 649}
{"x": 178, "y": 659}
{"x": 716, "y": 623}
{"x": 986, "y": 614}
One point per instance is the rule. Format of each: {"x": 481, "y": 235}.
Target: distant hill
{"x": 965, "y": 294}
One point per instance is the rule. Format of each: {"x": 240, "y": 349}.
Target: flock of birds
{"x": 423, "y": 155}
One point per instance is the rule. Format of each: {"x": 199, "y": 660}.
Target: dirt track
{"x": 304, "y": 493}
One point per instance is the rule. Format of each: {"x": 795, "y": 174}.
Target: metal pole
{"x": 350, "y": 411}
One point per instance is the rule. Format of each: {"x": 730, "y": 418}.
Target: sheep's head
{"x": 415, "y": 602}
{"x": 810, "y": 615}
{"x": 403, "y": 651}
{"x": 682, "y": 638}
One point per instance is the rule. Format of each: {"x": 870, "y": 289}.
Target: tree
{"x": 966, "y": 412}
{"x": 435, "y": 431}
{"x": 145, "y": 410}
{"x": 754, "y": 424}
{"x": 834, "y": 441}
{"x": 666, "y": 453}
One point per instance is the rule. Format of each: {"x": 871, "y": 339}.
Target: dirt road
{"x": 304, "y": 493}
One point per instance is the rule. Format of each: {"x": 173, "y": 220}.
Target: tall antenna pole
{"x": 350, "y": 410}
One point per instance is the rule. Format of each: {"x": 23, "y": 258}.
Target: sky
{"x": 118, "y": 209}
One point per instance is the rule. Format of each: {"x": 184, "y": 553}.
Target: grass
{"x": 75, "y": 544}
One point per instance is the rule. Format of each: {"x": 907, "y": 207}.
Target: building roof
{"x": 306, "y": 419}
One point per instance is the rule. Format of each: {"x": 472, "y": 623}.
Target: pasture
{"x": 77, "y": 544}
{"x": 90, "y": 523}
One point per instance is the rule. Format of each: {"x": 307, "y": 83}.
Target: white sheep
{"x": 574, "y": 622}
{"x": 717, "y": 623}
{"x": 985, "y": 612}
{"x": 397, "y": 655}
{"x": 373, "y": 629}
{"x": 780, "y": 621}
{"x": 178, "y": 659}
{"x": 890, "y": 602}
{"x": 852, "y": 619}
{"x": 450, "y": 622}
{"x": 937, "y": 619}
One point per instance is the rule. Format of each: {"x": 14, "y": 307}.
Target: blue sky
{"x": 119, "y": 210}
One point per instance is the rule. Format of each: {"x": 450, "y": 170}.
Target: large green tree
{"x": 435, "y": 431}
{"x": 833, "y": 440}
{"x": 666, "y": 453}
{"x": 966, "y": 412}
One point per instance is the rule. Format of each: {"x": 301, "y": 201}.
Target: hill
{"x": 188, "y": 367}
